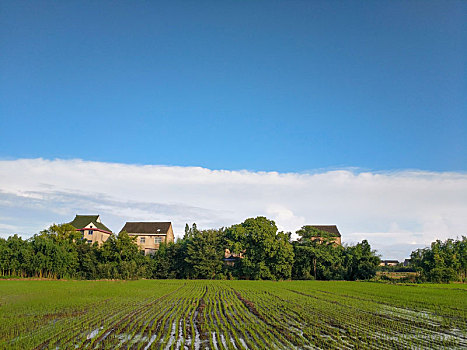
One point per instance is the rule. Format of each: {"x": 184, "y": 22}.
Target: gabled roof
{"x": 81, "y": 221}
{"x": 147, "y": 227}
{"x": 332, "y": 229}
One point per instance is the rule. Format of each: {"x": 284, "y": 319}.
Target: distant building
{"x": 389, "y": 263}
{"x": 92, "y": 228}
{"x": 231, "y": 258}
{"x": 331, "y": 232}
{"x": 149, "y": 235}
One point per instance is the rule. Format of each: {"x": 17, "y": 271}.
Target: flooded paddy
{"x": 197, "y": 315}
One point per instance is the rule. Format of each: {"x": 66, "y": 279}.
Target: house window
{"x": 89, "y": 241}
{"x": 142, "y": 240}
{"x": 158, "y": 240}
{"x": 90, "y": 232}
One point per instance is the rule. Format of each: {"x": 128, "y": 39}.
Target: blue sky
{"x": 284, "y": 86}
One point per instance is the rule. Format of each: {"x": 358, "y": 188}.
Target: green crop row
{"x": 200, "y": 314}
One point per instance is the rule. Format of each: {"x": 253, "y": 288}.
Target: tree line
{"x": 442, "y": 261}
{"x": 259, "y": 251}
{"x": 264, "y": 253}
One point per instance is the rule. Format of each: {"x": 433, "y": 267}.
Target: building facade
{"x": 149, "y": 235}
{"x": 91, "y": 227}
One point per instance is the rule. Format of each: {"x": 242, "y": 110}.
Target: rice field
{"x": 183, "y": 314}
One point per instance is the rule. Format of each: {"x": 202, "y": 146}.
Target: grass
{"x": 181, "y": 314}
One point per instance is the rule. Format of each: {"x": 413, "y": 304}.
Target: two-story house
{"x": 149, "y": 235}
{"x": 92, "y": 228}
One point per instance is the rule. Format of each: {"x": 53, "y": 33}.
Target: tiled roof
{"x": 147, "y": 227}
{"x": 81, "y": 221}
{"x": 332, "y": 229}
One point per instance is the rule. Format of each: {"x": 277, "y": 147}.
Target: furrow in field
{"x": 283, "y": 332}
{"x": 115, "y": 326}
{"x": 92, "y": 322}
{"x": 376, "y": 326}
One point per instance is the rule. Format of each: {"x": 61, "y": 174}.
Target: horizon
{"x": 409, "y": 208}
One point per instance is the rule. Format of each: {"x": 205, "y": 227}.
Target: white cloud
{"x": 285, "y": 218}
{"x": 396, "y": 211}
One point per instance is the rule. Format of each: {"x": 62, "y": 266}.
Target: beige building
{"x": 389, "y": 263}
{"x": 149, "y": 235}
{"x": 92, "y": 228}
{"x": 331, "y": 232}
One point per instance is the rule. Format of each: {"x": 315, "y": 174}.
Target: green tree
{"x": 169, "y": 261}
{"x": 308, "y": 233}
{"x": 205, "y": 253}
{"x": 317, "y": 258}
{"x": 162, "y": 258}
{"x": 62, "y": 233}
{"x": 360, "y": 261}
{"x": 120, "y": 258}
{"x": 461, "y": 251}
{"x": 88, "y": 260}
{"x": 266, "y": 253}
{"x": 54, "y": 258}
{"x": 16, "y": 257}
{"x": 442, "y": 261}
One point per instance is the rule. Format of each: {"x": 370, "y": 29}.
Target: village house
{"x": 231, "y": 258}
{"x": 149, "y": 235}
{"x": 92, "y": 228}
{"x": 331, "y": 231}
{"x": 389, "y": 263}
